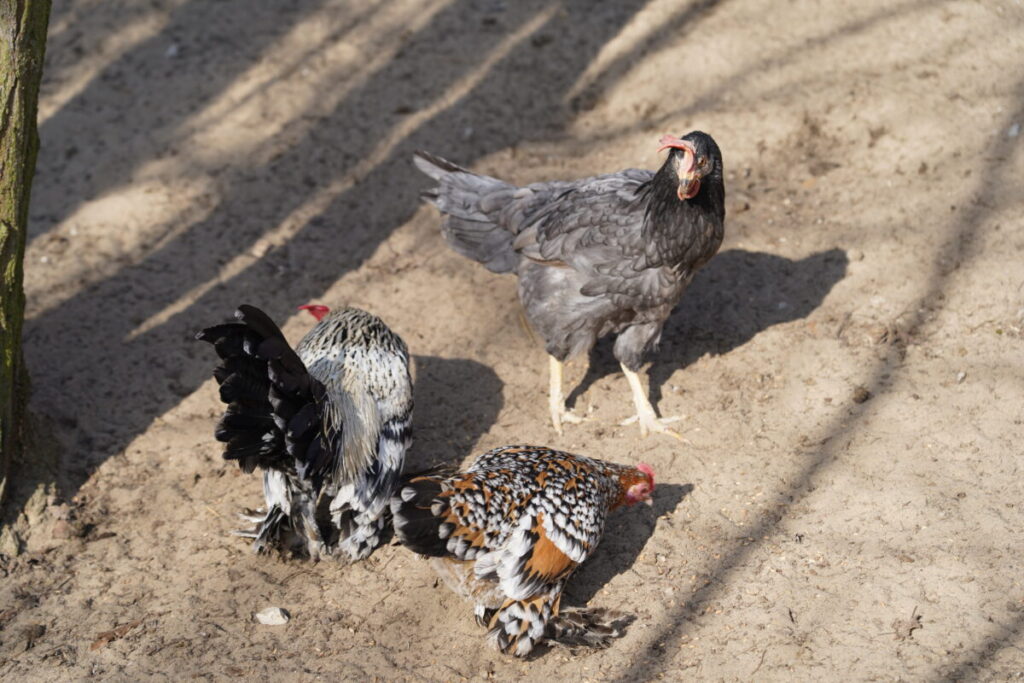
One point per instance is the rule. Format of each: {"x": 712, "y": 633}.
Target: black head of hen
{"x": 694, "y": 161}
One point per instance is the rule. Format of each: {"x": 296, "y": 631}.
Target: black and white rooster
{"x": 328, "y": 423}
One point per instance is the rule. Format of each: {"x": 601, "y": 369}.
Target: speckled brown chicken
{"x": 509, "y": 532}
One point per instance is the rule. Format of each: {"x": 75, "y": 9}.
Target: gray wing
{"x": 554, "y": 221}
{"x": 594, "y": 226}
{"x": 591, "y": 225}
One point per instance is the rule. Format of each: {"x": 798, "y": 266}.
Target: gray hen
{"x": 328, "y": 423}
{"x": 607, "y": 254}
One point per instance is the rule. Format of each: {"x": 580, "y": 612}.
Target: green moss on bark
{"x": 23, "y": 26}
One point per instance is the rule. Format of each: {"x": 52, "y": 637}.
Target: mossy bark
{"x": 23, "y": 26}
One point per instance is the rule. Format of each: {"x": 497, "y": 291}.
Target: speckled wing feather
{"x": 557, "y": 501}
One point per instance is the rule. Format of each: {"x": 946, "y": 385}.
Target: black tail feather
{"x": 273, "y": 414}
{"x": 418, "y": 514}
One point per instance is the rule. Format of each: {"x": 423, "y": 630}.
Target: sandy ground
{"x": 197, "y": 154}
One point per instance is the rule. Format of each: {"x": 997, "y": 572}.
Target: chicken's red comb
{"x": 318, "y": 311}
{"x": 667, "y": 141}
{"x": 648, "y": 470}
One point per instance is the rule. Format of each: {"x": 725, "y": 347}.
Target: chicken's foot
{"x": 645, "y": 415}
{"x": 254, "y": 517}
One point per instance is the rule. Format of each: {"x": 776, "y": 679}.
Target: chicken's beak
{"x": 689, "y": 186}
{"x": 686, "y": 166}
{"x": 689, "y": 177}
{"x": 649, "y": 502}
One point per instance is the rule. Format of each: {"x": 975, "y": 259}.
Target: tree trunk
{"x": 22, "y": 44}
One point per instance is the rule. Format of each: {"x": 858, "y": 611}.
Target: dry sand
{"x": 197, "y": 154}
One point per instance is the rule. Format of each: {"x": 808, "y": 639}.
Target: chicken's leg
{"x": 556, "y": 402}
{"x": 645, "y": 415}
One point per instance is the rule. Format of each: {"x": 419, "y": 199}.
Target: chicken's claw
{"x": 655, "y": 424}
{"x": 560, "y": 415}
{"x": 256, "y": 517}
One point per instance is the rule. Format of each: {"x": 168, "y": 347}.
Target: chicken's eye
{"x": 702, "y": 161}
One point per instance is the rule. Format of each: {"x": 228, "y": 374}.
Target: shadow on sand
{"x": 736, "y": 296}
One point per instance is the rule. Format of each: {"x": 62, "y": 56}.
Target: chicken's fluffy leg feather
{"x": 645, "y": 415}
{"x": 556, "y": 402}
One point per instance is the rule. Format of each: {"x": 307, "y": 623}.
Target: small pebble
{"x": 960, "y": 377}
{"x": 860, "y": 395}
{"x": 62, "y": 530}
{"x": 273, "y": 616}
{"x": 1013, "y": 131}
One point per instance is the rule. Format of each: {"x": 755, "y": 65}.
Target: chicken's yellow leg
{"x": 645, "y": 415}
{"x": 556, "y": 402}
